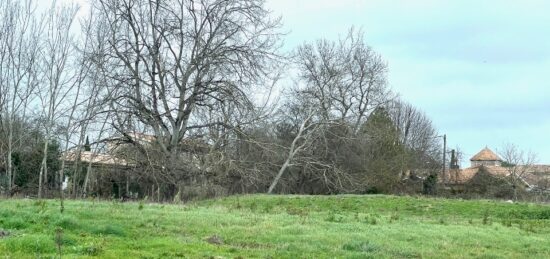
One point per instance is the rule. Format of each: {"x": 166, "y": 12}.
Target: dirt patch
{"x": 4, "y": 233}
{"x": 215, "y": 240}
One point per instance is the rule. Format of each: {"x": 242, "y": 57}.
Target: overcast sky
{"x": 479, "y": 69}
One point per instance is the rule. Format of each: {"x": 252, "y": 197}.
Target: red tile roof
{"x": 486, "y": 155}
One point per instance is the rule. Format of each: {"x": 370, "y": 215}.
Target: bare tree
{"x": 416, "y": 133}
{"x": 59, "y": 72}
{"x": 346, "y": 79}
{"x": 299, "y": 142}
{"x": 86, "y": 101}
{"x": 518, "y": 165}
{"x": 19, "y": 34}
{"x": 173, "y": 60}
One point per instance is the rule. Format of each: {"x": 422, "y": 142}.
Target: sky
{"x": 478, "y": 69}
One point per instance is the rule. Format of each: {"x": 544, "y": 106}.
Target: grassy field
{"x": 262, "y": 226}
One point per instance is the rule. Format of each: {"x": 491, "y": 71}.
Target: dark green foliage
{"x": 384, "y": 153}
{"x": 484, "y": 184}
{"x": 430, "y": 185}
{"x": 27, "y": 163}
{"x": 507, "y": 164}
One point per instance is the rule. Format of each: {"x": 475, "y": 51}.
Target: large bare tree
{"x": 172, "y": 61}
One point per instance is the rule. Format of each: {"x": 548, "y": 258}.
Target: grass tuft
{"x": 365, "y": 247}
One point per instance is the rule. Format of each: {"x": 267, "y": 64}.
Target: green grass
{"x": 262, "y": 226}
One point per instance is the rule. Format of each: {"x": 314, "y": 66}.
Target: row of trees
{"x": 229, "y": 111}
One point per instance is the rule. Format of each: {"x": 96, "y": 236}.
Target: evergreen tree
{"x": 87, "y": 146}
{"x": 385, "y": 154}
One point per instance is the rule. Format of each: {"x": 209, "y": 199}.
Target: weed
{"x": 333, "y": 217}
{"x": 59, "y": 240}
{"x": 253, "y": 205}
{"x": 303, "y": 214}
{"x": 4, "y": 233}
{"x": 370, "y": 219}
{"x": 215, "y": 240}
{"x": 268, "y": 208}
{"x": 42, "y": 205}
{"x": 507, "y": 222}
{"x": 486, "y": 220}
{"x": 89, "y": 250}
{"x": 394, "y": 217}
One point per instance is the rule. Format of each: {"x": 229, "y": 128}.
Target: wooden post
{"x": 444, "y": 156}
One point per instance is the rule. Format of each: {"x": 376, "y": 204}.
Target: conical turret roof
{"x": 486, "y": 155}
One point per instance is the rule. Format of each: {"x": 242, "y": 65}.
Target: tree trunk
{"x": 515, "y": 192}
{"x": 11, "y": 177}
{"x": 279, "y": 174}
{"x": 86, "y": 180}
{"x": 43, "y": 169}
{"x": 291, "y": 153}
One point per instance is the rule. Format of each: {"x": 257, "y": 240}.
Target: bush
{"x": 429, "y": 186}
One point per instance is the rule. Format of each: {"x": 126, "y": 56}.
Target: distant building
{"x": 486, "y": 157}
{"x": 487, "y": 164}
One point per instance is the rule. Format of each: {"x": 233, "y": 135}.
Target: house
{"x": 111, "y": 157}
{"x": 486, "y": 157}
{"x": 487, "y": 169}
{"x": 122, "y": 170}
{"x": 95, "y": 159}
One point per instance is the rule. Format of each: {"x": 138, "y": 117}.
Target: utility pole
{"x": 444, "y": 155}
